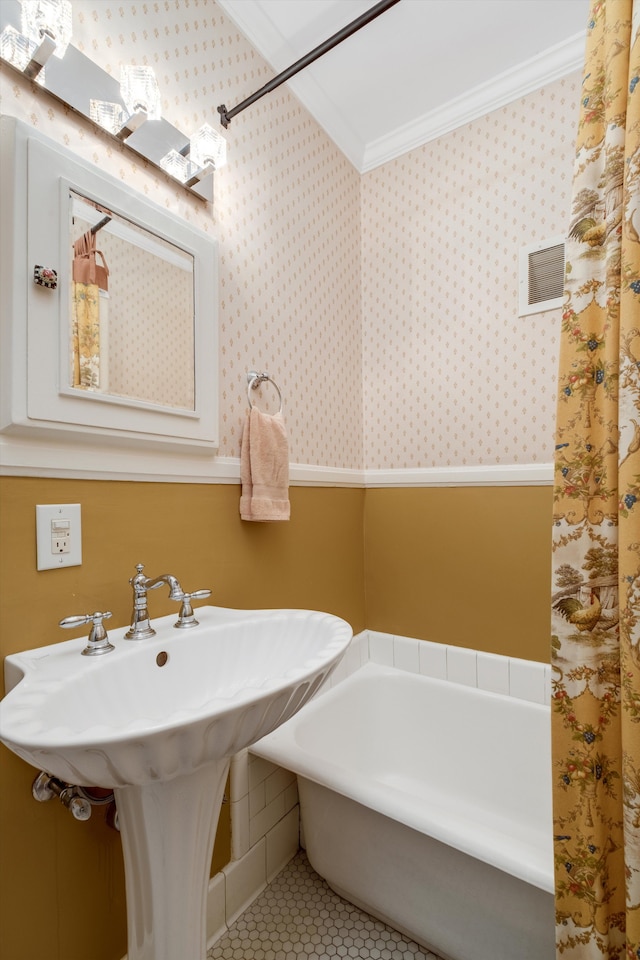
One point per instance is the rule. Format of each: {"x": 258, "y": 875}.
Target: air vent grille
{"x": 541, "y": 276}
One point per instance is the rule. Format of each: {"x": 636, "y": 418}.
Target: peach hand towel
{"x": 264, "y": 468}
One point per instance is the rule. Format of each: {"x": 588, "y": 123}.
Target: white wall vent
{"x": 541, "y": 283}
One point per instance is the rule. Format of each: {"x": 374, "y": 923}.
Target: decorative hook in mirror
{"x": 35, "y": 41}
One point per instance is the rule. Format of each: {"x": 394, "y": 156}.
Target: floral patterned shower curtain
{"x": 89, "y": 315}
{"x": 596, "y": 533}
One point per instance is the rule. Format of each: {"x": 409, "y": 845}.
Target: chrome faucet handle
{"x": 186, "y": 617}
{"x": 98, "y": 642}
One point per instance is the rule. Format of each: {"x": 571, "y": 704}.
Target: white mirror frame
{"x": 34, "y": 404}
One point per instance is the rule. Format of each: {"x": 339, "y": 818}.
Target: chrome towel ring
{"x": 254, "y": 379}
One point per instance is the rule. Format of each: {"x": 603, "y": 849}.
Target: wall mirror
{"x": 121, "y": 344}
{"x": 131, "y": 319}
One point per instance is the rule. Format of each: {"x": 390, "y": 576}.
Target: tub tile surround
{"x": 511, "y": 676}
{"x": 265, "y": 821}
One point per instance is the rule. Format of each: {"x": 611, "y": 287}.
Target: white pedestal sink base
{"x": 168, "y": 830}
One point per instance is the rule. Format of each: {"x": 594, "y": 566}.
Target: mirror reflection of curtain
{"x": 596, "y": 532}
{"x": 90, "y": 316}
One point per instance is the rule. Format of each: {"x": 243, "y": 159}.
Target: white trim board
{"x": 508, "y": 475}
{"x": 82, "y": 461}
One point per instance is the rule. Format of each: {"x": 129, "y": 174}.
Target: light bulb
{"x": 48, "y": 18}
{"x": 139, "y": 90}
{"x": 177, "y": 166}
{"x": 109, "y": 115}
{"x": 207, "y": 146}
{"x": 18, "y": 50}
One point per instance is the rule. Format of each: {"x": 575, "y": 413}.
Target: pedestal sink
{"x": 158, "y": 721}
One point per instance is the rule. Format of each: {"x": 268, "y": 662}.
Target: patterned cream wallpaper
{"x": 428, "y": 330}
{"x": 155, "y": 350}
{"x": 286, "y": 213}
{"x": 452, "y": 375}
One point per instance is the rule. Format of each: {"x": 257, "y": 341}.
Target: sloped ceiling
{"x": 419, "y": 70}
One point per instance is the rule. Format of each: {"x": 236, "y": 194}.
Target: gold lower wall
{"x": 61, "y": 881}
{"x": 467, "y": 566}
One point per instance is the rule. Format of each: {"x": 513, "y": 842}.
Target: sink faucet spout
{"x": 140, "y": 623}
{"x": 175, "y": 590}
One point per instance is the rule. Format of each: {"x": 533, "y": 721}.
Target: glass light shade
{"x": 140, "y": 92}
{"x": 109, "y": 115}
{"x": 50, "y": 18}
{"x": 18, "y": 50}
{"x": 207, "y": 146}
{"x": 178, "y": 166}
{"x": 15, "y": 48}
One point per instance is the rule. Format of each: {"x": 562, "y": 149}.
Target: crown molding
{"x": 553, "y": 64}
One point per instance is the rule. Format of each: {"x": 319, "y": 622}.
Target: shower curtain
{"x": 596, "y": 524}
{"x": 89, "y": 317}
{"x": 85, "y": 335}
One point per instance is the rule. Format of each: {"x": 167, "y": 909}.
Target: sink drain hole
{"x": 162, "y": 658}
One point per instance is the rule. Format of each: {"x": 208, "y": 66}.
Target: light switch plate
{"x": 58, "y": 535}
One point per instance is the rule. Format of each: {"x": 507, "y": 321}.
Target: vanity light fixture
{"x": 206, "y": 153}
{"x": 208, "y": 148}
{"x": 45, "y": 30}
{"x": 111, "y": 116}
{"x": 114, "y": 118}
{"x": 48, "y": 19}
{"x": 177, "y": 165}
{"x": 140, "y": 92}
{"x": 19, "y": 51}
{"x": 32, "y": 31}
{"x": 47, "y": 25}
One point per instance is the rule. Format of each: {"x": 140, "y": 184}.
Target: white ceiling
{"x": 420, "y": 69}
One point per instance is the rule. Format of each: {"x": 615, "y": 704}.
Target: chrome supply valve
{"x": 185, "y": 617}
{"x": 45, "y": 787}
{"x": 98, "y": 642}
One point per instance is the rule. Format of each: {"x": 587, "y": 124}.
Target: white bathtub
{"x": 428, "y": 804}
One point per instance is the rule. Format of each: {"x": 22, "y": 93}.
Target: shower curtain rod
{"x": 226, "y": 116}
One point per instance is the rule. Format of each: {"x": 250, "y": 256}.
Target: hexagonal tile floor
{"x": 299, "y": 917}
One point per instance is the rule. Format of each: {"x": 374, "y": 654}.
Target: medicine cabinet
{"x": 117, "y": 348}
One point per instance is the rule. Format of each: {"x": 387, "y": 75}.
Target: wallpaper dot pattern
{"x": 452, "y": 375}
{"x": 384, "y": 305}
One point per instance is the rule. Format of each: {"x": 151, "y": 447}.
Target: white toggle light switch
{"x": 58, "y": 535}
